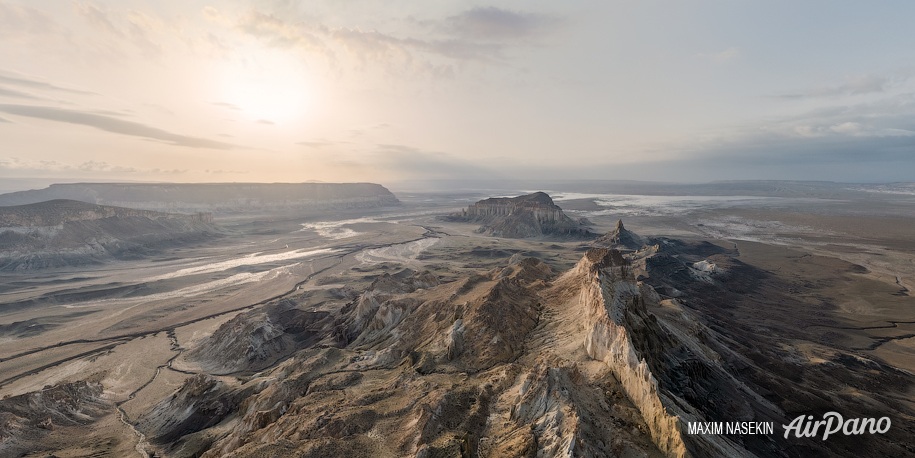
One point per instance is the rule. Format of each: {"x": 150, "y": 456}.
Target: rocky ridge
{"x": 61, "y": 233}
{"x": 516, "y": 361}
{"x": 27, "y": 420}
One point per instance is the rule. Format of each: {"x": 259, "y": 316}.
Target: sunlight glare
{"x": 273, "y": 89}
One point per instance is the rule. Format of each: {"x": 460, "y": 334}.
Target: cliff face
{"x": 530, "y": 215}
{"x": 214, "y": 197}
{"x": 69, "y": 233}
{"x": 666, "y": 370}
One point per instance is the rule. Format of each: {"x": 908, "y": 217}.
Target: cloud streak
{"x": 491, "y": 23}
{"x": 110, "y": 124}
{"x": 17, "y": 165}
{"x": 721, "y": 56}
{"x": 17, "y": 94}
{"x": 134, "y": 27}
{"x": 479, "y": 34}
{"x": 409, "y": 162}
{"x": 866, "y": 84}
{"x": 36, "y": 84}
{"x": 828, "y": 143}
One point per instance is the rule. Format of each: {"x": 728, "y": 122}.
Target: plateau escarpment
{"x": 61, "y": 233}
{"x": 214, "y": 197}
{"x": 530, "y": 215}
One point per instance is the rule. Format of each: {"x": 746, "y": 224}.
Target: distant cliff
{"x": 530, "y": 215}
{"x": 213, "y": 197}
{"x": 62, "y": 233}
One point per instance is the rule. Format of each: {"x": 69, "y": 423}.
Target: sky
{"x": 359, "y": 90}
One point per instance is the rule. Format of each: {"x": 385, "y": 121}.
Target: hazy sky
{"x": 353, "y": 90}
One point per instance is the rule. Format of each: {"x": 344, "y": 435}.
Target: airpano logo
{"x": 801, "y": 427}
{"x": 833, "y": 423}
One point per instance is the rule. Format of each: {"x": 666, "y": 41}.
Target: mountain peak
{"x": 619, "y": 237}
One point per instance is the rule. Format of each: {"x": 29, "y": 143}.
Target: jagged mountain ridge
{"x": 530, "y": 215}
{"x": 533, "y": 346}
{"x": 213, "y": 197}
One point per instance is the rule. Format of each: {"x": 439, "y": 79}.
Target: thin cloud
{"x": 17, "y": 164}
{"x": 228, "y": 105}
{"x": 110, "y": 124}
{"x": 479, "y": 34}
{"x": 407, "y": 162}
{"x": 867, "y": 84}
{"x": 102, "y": 166}
{"x": 133, "y": 27}
{"x": 92, "y": 167}
{"x": 16, "y": 19}
{"x": 315, "y": 144}
{"x": 17, "y": 94}
{"x": 224, "y": 172}
{"x": 842, "y": 138}
{"x": 37, "y": 84}
{"x": 376, "y": 45}
{"x": 277, "y": 32}
{"x": 491, "y": 23}
{"x": 721, "y": 56}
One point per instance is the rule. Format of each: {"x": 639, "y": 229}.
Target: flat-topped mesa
{"x": 530, "y": 215}
{"x": 539, "y": 204}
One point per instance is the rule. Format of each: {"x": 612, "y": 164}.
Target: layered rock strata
{"x": 530, "y": 215}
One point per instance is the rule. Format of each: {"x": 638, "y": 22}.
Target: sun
{"x": 270, "y": 88}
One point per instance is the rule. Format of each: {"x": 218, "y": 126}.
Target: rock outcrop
{"x": 619, "y": 238}
{"x": 61, "y": 233}
{"x": 650, "y": 360}
{"x": 530, "y": 215}
{"x": 214, "y": 197}
{"x": 27, "y": 420}
{"x": 257, "y": 339}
